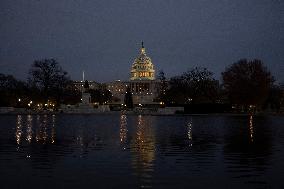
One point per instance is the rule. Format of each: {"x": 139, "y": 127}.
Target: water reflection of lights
{"x": 53, "y": 130}
{"x": 43, "y": 130}
{"x": 189, "y": 132}
{"x": 140, "y": 129}
{"x": 144, "y": 149}
{"x": 19, "y": 129}
{"x": 29, "y": 128}
{"x": 123, "y": 128}
{"x": 80, "y": 140}
{"x": 41, "y": 133}
{"x": 251, "y": 127}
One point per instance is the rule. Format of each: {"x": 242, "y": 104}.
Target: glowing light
{"x": 189, "y": 133}
{"x": 18, "y": 129}
{"x": 53, "y": 130}
{"x": 123, "y": 128}
{"x": 251, "y": 127}
{"x": 29, "y": 128}
{"x": 41, "y": 132}
{"x": 19, "y": 100}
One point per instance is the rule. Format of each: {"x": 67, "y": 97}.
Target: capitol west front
{"x": 142, "y": 83}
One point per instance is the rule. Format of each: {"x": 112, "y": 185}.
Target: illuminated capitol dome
{"x": 142, "y": 68}
{"x": 142, "y": 83}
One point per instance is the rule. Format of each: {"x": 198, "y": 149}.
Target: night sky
{"x": 103, "y": 37}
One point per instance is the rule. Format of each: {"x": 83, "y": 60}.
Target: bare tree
{"x": 49, "y": 77}
{"x": 247, "y": 82}
{"x": 11, "y": 90}
{"x": 197, "y": 85}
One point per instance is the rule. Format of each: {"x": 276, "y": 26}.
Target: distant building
{"x": 142, "y": 82}
{"x": 79, "y": 85}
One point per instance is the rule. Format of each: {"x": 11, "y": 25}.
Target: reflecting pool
{"x": 139, "y": 151}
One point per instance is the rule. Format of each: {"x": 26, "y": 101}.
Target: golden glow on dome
{"x": 142, "y": 68}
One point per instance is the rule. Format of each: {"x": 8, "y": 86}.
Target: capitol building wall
{"x": 143, "y": 92}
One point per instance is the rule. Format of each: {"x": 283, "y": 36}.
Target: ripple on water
{"x": 142, "y": 151}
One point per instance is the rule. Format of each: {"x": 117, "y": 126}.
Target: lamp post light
{"x": 18, "y": 104}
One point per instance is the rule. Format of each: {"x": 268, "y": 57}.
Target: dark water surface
{"x": 129, "y": 151}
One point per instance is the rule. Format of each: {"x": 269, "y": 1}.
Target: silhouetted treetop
{"x": 49, "y": 76}
{"x": 247, "y": 82}
{"x": 197, "y": 85}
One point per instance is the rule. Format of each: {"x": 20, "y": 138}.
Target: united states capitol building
{"x": 142, "y": 82}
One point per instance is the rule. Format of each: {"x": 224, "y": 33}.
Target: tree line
{"x": 245, "y": 85}
{"x": 48, "y": 85}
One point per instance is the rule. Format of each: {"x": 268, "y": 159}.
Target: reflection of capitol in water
{"x": 144, "y": 143}
{"x": 42, "y": 131}
{"x": 143, "y": 148}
